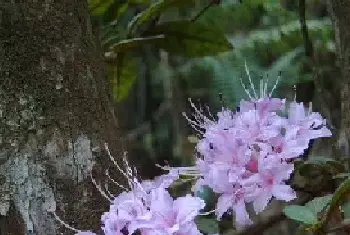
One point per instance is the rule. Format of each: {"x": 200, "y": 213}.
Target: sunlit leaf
{"x": 300, "y": 213}
{"x": 318, "y": 203}
{"x": 114, "y": 11}
{"x": 191, "y": 39}
{"x": 98, "y": 7}
{"x": 122, "y": 76}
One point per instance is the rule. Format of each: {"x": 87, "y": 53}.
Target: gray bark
{"x": 55, "y": 115}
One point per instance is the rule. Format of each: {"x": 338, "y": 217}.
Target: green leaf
{"x": 122, "y": 76}
{"x": 341, "y": 192}
{"x": 323, "y": 165}
{"x": 318, "y": 204}
{"x": 154, "y": 10}
{"x": 114, "y": 12}
{"x": 206, "y": 225}
{"x": 300, "y": 213}
{"x": 191, "y": 39}
{"x": 124, "y": 45}
{"x": 98, "y": 7}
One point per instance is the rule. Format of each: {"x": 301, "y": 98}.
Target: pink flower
{"x": 170, "y": 216}
{"x": 162, "y": 181}
{"x": 236, "y": 203}
{"x": 290, "y": 144}
{"x": 125, "y": 208}
{"x": 262, "y": 105}
{"x": 311, "y": 124}
{"x": 270, "y": 178}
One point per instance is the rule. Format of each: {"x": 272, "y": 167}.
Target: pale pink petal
{"x": 189, "y": 229}
{"x": 283, "y": 192}
{"x": 223, "y": 205}
{"x": 283, "y": 173}
{"x": 242, "y": 217}
{"x": 187, "y": 208}
{"x": 262, "y": 200}
{"x": 161, "y": 202}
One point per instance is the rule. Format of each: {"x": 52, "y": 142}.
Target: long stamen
{"x": 276, "y": 83}
{"x": 261, "y": 86}
{"x": 98, "y": 187}
{"x": 250, "y": 79}
{"x": 310, "y": 107}
{"x": 295, "y": 92}
{"x": 207, "y": 213}
{"x": 125, "y": 174}
{"x": 114, "y": 181}
{"x": 222, "y": 101}
{"x": 266, "y": 84}
{"x": 65, "y": 224}
{"x": 244, "y": 88}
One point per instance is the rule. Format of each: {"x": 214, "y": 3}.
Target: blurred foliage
{"x": 207, "y": 44}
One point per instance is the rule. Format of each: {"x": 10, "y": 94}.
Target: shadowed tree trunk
{"x": 55, "y": 115}
{"x": 340, "y": 15}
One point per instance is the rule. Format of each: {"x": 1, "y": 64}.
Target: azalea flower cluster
{"x": 148, "y": 208}
{"x": 244, "y": 155}
{"x": 151, "y": 210}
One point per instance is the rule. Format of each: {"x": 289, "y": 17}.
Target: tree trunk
{"x": 55, "y": 116}
{"x": 340, "y": 15}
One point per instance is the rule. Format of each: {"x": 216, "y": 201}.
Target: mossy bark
{"x": 56, "y": 114}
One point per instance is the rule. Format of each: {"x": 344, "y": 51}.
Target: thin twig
{"x": 201, "y": 12}
{"x": 304, "y": 30}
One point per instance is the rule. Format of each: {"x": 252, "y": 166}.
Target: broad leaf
{"x": 206, "y": 225}
{"x": 300, "y": 213}
{"x": 339, "y": 195}
{"x": 122, "y": 76}
{"x": 322, "y": 165}
{"x": 98, "y": 7}
{"x": 341, "y": 192}
{"x": 154, "y": 10}
{"x": 191, "y": 39}
{"x": 319, "y": 203}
